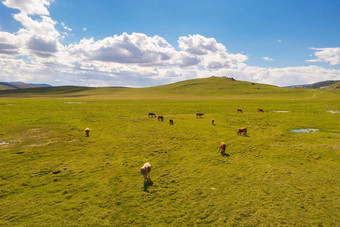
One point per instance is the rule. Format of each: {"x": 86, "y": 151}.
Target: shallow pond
{"x": 334, "y": 111}
{"x": 308, "y": 130}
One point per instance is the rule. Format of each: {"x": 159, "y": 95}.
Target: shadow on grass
{"x": 244, "y": 135}
{"x": 225, "y": 154}
{"x": 147, "y": 184}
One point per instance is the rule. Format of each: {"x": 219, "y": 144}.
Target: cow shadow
{"x": 226, "y": 154}
{"x": 147, "y": 184}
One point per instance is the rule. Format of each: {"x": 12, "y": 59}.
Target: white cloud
{"x": 8, "y": 44}
{"x": 214, "y": 55}
{"x": 30, "y": 7}
{"x": 136, "y": 48}
{"x": 268, "y": 59}
{"x": 330, "y": 55}
{"x": 84, "y": 29}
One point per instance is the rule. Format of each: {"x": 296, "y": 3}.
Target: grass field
{"x": 52, "y": 175}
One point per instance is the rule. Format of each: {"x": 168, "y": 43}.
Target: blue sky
{"x": 145, "y": 43}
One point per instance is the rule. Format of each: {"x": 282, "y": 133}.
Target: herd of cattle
{"x": 145, "y": 170}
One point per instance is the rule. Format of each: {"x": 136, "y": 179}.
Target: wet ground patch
{"x": 308, "y": 130}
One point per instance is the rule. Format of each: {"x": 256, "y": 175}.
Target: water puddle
{"x": 280, "y": 111}
{"x": 305, "y": 130}
{"x": 334, "y": 111}
{"x": 74, "y": 102}
{"x": 3, "y": 143}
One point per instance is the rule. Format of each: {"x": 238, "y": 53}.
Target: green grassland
{"x": 52, "y": 175}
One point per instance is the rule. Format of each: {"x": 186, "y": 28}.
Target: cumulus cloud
{"x": 8, "y": 44}
{"x": 214, "y": 55}
{"x": 200, "y": 45}
{"x": 330, "y": 55}
{"x": 136, "y": 48}
{"x": 30, "y": 7}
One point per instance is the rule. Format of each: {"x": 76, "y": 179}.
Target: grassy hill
{"x": 4, "y": 87}
{"x": 52, "y": 175}
{"x": 332, "y": 86}
{"x": 316, "y": 85}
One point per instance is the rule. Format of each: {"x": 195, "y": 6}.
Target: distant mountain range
{"x": 323, "y": 84}
{"x": 20, "y": 85}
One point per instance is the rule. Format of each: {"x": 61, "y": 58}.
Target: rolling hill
{"x": 20, "y": 85}
{"x": 316, "y": 85}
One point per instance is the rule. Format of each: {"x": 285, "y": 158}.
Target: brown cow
{"x": 213, "y": 122}
{"x": 171, "y": 122}
{"x": 241, "y": 131}
{"x": 222, "y": 148}
{"x": 260, "y": 110}
{"x": 152, "y": 115}
{"x": 87, "y": 132}
{"x": 160, "y": 118}
{"x": 199, "y": 115}
{"x": 239, "y": 111}
{"x": 145, "y": 171}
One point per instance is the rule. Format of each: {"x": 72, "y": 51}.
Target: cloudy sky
{"x": 142, "y": 43}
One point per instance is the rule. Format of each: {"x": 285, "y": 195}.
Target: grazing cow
{"x": 260, "y": 110}
{"x": 199, "y": 115}
{"x": 222, "y": 148}
{"x": 160, "y": 118}
{"x": 241, "y": 131}
{"x": 152, "y": 115}
{"x": 239, "y": 111}
{"x": 145, "y": 171}
{"x": 213, "y": 122}
{"x": 87, "y": 132}
{"x": 171, "y": 122}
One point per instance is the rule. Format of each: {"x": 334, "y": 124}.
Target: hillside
{"x": 215, "y": 86}
{"x": 332, "y": 86}
{"x": 315, "y": 85}
{"x": 20, "y": 85}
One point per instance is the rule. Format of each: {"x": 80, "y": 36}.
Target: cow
{"x": 171, "y": 122}
{"x": 213, "y": 122}
{"x": 160, "y": 118}
{"x": 241, "y": 131}
{"x": 145, "y": 171}
{"x": 87, "y": 132}
{"x": 260, "y": 110}
{"x": 152, "y": 115}
{"x": 221, "y": 149}
{"x": 239, "y": 111}
{"x": 199, "y": 115}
